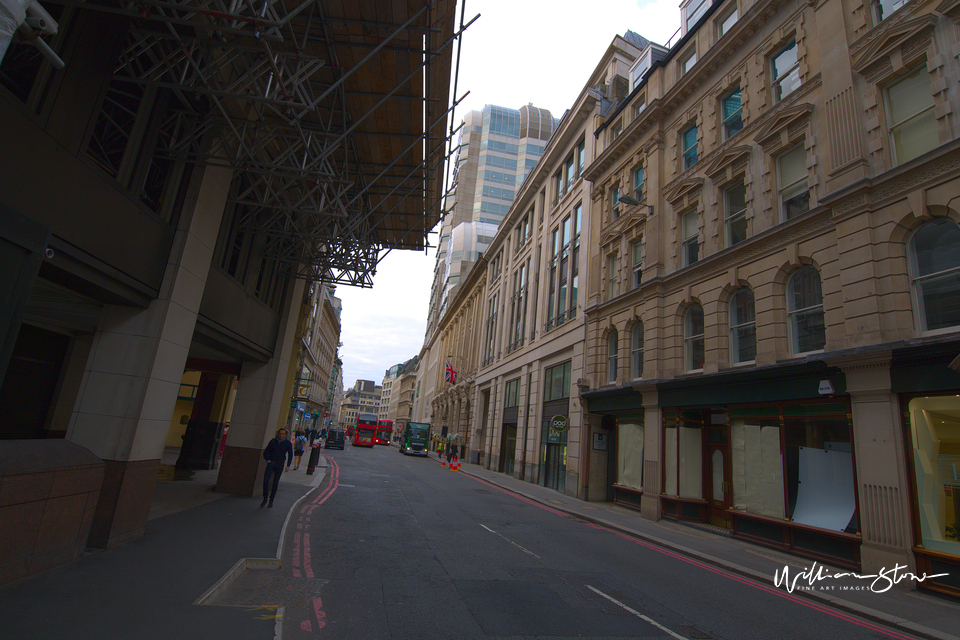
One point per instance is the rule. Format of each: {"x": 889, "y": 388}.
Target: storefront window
{"x": 935, "y": 434}
{"x": 819, "y": 466}
{"x": 683, "y": 454}
{"x": 756, "y": 461}
{"x": 630, "y": 454}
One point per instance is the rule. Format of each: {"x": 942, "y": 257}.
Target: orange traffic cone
{"x": 443, "y": 461}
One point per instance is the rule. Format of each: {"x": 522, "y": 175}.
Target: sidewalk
{"x": 914, "y": 612}
{"x": 148, "y": 589}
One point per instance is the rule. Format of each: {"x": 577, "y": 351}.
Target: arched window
{"x": 743, "y": 327}
{"x": 935, "y": 254}
{"x": 693, "y": 342}
{"x": 613, "y": 346}
{"x": 636, "y": 351}
{"x": 805, "y": 308}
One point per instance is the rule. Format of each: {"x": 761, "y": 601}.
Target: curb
{"x": 211, "y": 595}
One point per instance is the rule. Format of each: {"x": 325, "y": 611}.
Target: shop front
{"x": 929, "y": 394}
{"x": 767, "y": 455}
{"x": 621, "y": 415}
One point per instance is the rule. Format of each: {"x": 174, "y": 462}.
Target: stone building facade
{"x": 777, "y": 301}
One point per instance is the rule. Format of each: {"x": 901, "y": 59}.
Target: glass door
{"x": 719, "y": 472}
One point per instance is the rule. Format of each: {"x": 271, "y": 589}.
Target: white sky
{"x": 517, "y": 52}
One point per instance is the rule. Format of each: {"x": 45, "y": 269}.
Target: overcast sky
{"x": 517, "y": 52}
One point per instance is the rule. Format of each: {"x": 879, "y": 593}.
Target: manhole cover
{"x": 266, "y": 588}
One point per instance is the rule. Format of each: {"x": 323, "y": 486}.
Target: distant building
{"x": 390, "y": 398}
{"x": 498, "y": 148}
{"x": 316, "y": 357}
{"x": 363, "y": 397}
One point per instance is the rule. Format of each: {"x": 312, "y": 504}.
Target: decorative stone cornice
{"x": 776, "y": 132}
{"x": 720, "y": 169}
{"x": 891, "y": 46}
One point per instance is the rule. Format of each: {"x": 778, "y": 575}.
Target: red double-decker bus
{"x": 384, "y": 431}
{"x": 366, "y": 430}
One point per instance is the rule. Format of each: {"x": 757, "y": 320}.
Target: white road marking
{"x": 511, "y": 542}
{"x": 636, "y": 613}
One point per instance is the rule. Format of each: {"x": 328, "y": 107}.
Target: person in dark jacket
{"x": 277, "y": 449}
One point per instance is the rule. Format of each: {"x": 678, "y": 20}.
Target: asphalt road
{"x": 400, "y": 547}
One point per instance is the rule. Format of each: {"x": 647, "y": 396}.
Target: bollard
{"x": 314, "y": 457}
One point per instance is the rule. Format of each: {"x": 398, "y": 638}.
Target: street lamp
{"x": 630, "y": 200}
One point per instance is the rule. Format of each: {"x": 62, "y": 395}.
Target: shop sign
{"x": 558, "y": 423}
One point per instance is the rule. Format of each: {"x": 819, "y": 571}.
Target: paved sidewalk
{"x": 914, "y": 612}
{"x": 148, "y": 589}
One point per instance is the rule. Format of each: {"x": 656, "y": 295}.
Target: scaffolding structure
{"x": 335, "y": 112}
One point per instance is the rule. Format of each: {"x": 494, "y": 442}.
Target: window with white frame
{"x": 731, "y": 109}
{"x": 726, "y": 20}
{"x": 639, "y": 105}
{"x": 640, "y": 67}
{"x": 581, "y": 157}
{"x": 693, "y": 12}
{"x": 557, "y": 187}
{"x": 522, "y": 233}
{"x": 636, "y": 351}
{"x": 805, "y": 310}
{"x": 491, "y": 328}
{"x": 693, "y": 339}
{"x": 688, "y": 145}
{"x": 638, "y": 177}
{"x": 613, "y": 266}
{"x": 616, "y": 130}
{"x": 613, "y": 349}
{"x": 935, "y": 271}
{"x": 614, "y": 202}
{"x": 636, "y": 257}
{"x": 564, "y": 270}
{"x": 687, "y": 60}
{"x": 735, "y": 213}
{"x": 563, "y": 277}
{"x": 689, "y": 228}
{"x": 519, "y": 305}
{"x": 552, "y": 281}
{"x": 570, "y": 171}
{"x": 792, "y": 182}
{"x": 911, "y": 117}
{"x": 785, "y": 71}
{"x": 743, "y": 327}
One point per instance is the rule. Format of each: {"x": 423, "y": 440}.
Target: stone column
{"x": 261, "y": 405}
{"x": 132, "y": 376}
{"x": 881, "y": 476}
{"x": 652, "y": 446}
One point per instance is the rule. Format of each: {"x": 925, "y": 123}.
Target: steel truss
{"x": 324, "y": 114}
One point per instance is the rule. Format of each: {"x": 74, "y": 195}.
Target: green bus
{"x": 416, "y": 435}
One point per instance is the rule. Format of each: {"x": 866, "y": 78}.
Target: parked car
{"x": 335, "y": 439}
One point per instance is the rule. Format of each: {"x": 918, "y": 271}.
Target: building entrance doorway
{"x": 719, "y": 474}
{"x": 554, "y": 456}
{"x": 508, "y": 449}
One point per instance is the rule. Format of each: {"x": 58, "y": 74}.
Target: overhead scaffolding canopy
{"x": 332, "y": 113}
